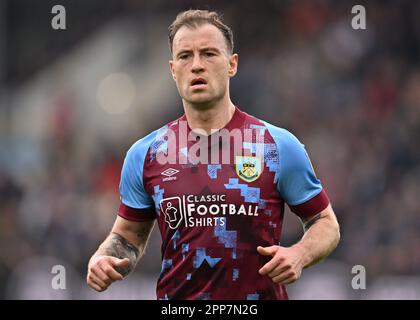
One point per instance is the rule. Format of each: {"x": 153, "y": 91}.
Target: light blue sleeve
{"x": 132, "y": 191}
{"x": 297, "y": 182}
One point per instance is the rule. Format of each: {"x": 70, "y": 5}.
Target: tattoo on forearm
{"x": 144, "y": 233}
{"x": 121, "y": 249}
{"x": 311, "y": 222}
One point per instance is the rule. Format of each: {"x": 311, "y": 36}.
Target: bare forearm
{"x": 117, "y": 256}
{"x": 126, "y": 240}
{"x": 320, "y": 239}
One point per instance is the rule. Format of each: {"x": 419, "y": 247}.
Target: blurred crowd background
{"x": 73, "y": 101}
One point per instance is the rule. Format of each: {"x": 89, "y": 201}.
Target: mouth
{"x": 198, "y": 82}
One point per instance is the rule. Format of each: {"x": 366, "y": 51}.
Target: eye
{"x": 209, "y": 54}
{"x": 183, "y": 56}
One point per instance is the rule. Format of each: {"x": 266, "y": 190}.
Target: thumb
{"x": 116, "y": 262}
{"x": 267, "y": 251}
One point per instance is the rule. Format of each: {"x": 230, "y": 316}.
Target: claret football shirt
{"x": 216, "y": 200}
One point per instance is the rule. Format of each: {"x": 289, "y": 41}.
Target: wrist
{"x": 304, "y": 254}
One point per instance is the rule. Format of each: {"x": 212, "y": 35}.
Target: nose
{"x": 197, "y": 66}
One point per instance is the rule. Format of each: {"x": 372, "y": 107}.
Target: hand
{"x": 102, "y": 271}
{"x": 285, "y": 266}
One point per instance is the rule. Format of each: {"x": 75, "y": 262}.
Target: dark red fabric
{"x": 136, "y": 214}
{"x": 312, "y": 207}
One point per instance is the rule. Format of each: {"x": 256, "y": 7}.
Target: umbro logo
{"x": 168, "y": 173}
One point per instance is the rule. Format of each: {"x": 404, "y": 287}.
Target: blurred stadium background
{"x": 72, "y": 102}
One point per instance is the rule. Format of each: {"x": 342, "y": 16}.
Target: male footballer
{"x": 219, "y": 197}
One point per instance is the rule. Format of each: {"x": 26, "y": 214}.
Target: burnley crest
{"x": 248, "y": 168}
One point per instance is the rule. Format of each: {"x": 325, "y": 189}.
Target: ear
{"x": 171, "y": 68}
{"x": 233, "y": 64}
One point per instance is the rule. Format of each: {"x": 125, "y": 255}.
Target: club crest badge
{"x": 248, "y": 168}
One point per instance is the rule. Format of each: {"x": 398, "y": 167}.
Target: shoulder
{"x": 283, "y": 138}
{"x": 291, "y": 153}
{"x": 274, "y": 131}
{"x": 142, "y": 145}
{"x": 285, "y": 142}
{"x": 139, "y": 149}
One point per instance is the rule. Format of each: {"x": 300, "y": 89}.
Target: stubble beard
{"x": 205, "y": 104}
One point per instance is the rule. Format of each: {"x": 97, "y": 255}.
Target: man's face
{"x": 202, "y": 64}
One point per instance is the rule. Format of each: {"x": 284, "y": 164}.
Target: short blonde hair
{"x": 195, "y": 18}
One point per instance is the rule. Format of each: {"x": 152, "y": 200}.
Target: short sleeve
{"x": 136, "y": 203}
{"x": 297, "y": 183}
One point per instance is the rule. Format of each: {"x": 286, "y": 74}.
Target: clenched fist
{"x": 103, "y": 270}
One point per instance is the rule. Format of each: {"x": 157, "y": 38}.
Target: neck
{"x": 209, "y": 118}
